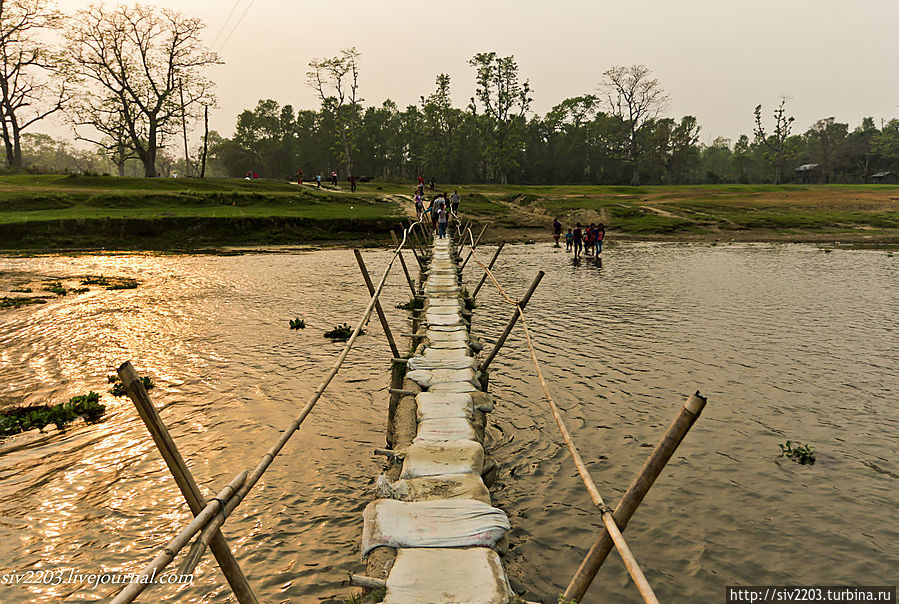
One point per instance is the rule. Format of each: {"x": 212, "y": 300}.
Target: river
{"x": 786, "y": 341}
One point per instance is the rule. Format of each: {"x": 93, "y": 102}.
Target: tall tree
{"x": 336, "y": 80}
{"x": 777, "y": 149}
{"x": 33, "y": 82}
{"x": 637, "y": 99}
{"x": 504, "y": 101}
{"x": 826, "y": 144}
{"x": 136, "y": 60}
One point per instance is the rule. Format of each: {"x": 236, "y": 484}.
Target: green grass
{"x": 110, "y": 212}
{"x": 63, "y": 212}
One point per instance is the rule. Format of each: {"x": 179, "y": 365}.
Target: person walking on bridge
{"x": 454, "y": 202}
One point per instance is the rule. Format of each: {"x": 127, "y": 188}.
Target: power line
{"x": 239, "y": 21}
{"x": 222, "y": 28}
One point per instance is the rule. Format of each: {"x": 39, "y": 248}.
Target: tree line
{"x": 131, "y": 81}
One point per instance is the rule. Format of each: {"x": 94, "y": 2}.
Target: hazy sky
{"x": 717, "y": 59}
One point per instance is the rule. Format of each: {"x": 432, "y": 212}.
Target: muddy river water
{"x": 787, "y": 342}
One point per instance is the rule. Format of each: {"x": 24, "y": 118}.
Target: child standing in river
{"x": 568, "y": 239}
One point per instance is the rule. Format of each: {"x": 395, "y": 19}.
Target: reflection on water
{"x": 787, "y": 342}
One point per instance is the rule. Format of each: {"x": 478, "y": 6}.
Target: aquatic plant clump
{"x": 341, "y": 332}
{"x": 16, "y": 302}
{"x": 126, "y": 284}
{"x": 118, "y": 388}
{"x": 415, "y": 303}
{"x": 55, "y": 287}
{"x": 803, "y": 454}
{"x": 87, "y": 406}
{"x": 297, "y": 324}
{"x": 95, "y": 280}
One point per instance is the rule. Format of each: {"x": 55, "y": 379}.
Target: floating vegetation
{"x": 414, "y": 303}
{"x": 27, "y": 418}
{"x": 118, "y": 388}
{"x": 13, "y": 302}
{"x": 799, "y": 453}
{"x": 341, "y": 332}
{"x": 80, "y": 290}
{"x": 124, "y": 284}
{"x": 21, "y": 290}
{"x": 55, "y": 287}
{"x": 297, "y": 324}
{"x": 95, "y": 280}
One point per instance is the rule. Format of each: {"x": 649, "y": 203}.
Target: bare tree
{"x": 776, "y": 143}
{"x": 32, "y": 78}
{"x": 336, "y": 80}
{"x": 635, "y": 98}
{"x": 133, "y": 61}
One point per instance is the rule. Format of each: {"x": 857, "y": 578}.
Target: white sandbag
{"x": 435, "y": 405}
{"x": 450, "y": 486}
{"x": 443, "y": 429}
{"x": 462, "y": 362}
{"x": 453, "y": 387}
{"x": 446, "y": 319}
{"x": 432, "y": 576}
{"x": 437, "y": 523}
{"x": 429, "y": 378}
{"x": 434, "y": 459}
{"x": 459, "y": 335}
{"x": 445, "y": 353}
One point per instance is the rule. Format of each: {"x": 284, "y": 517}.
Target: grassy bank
{"x": 62, "y": 212}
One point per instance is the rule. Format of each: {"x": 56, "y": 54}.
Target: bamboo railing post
{"x": 185, "y": 481}
{"x": 403, "y": 263}
{"x": 634, "y": 495}
{"x": 371, "y": 292}
{"x": 410, "y": 239}
{"x": 502, "y": 339}
{"x": 476, "y": 242}
{"x": 489, "y": 267}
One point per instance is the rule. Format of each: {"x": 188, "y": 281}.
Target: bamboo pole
{"x": 502, "y": 339}
{"x": 419, "y": 239}
{"x": 476, "y": 242}
{"x": 381, "y": 316}
{"x": 489, "y": 266}
{"x": 634, "y": 495}
{"x": 138, "y": 394}
{"x": 403, "y": 264}
{"x": 411, "y": 242}
{"x": 367, "y": 582}
{"x": 165, "y": 557}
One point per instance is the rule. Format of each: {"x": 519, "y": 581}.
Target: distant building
{"x": 885, "y": 178}
{"x": 809, "y": 173}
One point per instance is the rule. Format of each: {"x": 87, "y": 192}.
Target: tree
{"x": 776, "y": 144}
{"x": 636, "y": 99}
{"x": 133, "y": 62}
{"x": 505, "y": 101}
{"x": 32, "y": 78}
{"x": 826, "y": 144}
{"x": 336, "y": 80}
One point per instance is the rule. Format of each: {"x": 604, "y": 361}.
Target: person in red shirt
{"x": 600, "y": 235}
{"x": 588, "y": 236}
{"x": 255, "y": 174}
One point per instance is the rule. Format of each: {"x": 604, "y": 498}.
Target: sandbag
{"x": 445, "y": 428}
{"x": 449, "y": 486}
{"x": 452, "y": 457}
{"x": 431, "y": 576}
{"x": 437, "y": 523}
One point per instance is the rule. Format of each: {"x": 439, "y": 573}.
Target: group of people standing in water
{"x": 587, "y": 239}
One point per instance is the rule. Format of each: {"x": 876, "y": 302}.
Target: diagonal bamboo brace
{"x": 476, "y": 242}
{"x": 634, "y": 495}
{"x": 381, "y": 316}
{"x": 185, "y": 480}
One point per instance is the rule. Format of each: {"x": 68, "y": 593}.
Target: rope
{"x": 608, "y": 519}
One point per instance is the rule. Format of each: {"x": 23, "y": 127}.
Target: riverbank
{"x": 69, "y": 213}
